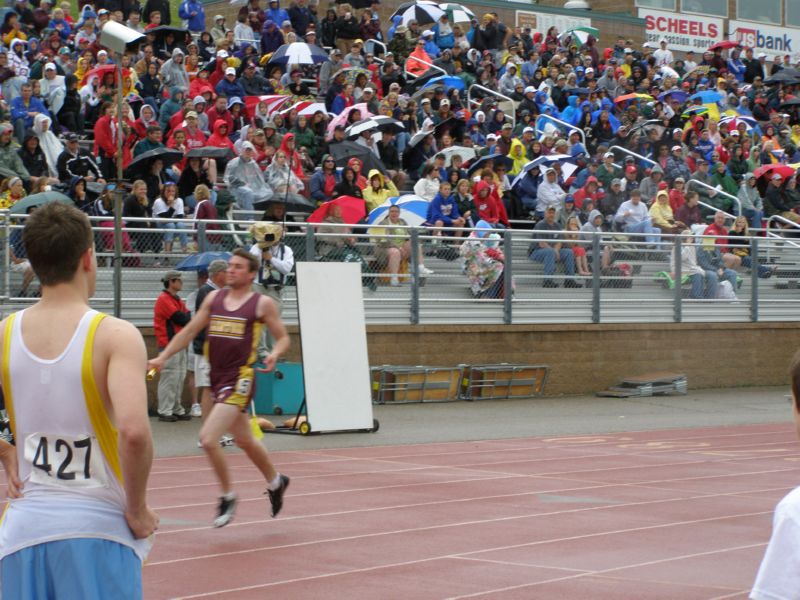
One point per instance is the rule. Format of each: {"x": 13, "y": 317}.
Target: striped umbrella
{"x": 423, "y": 12}
{"x": 274, "y": 102}
{"x": 378, "y": 122}
{"x": 579, "y": 35}
{"x": 457, "y": 13}
{"x": 413, "y": 210}
{"x": 299, "y": 53}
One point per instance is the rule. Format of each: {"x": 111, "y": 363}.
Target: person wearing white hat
{"x": 663, "y": 56}
{"x": 54, "y": 89}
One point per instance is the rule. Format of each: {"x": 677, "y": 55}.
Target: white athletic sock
{"x": 229, "y": 496}
{"x": 275, "y": 483}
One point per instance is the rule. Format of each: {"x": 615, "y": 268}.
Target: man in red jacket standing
{"x": 170, "y": 314}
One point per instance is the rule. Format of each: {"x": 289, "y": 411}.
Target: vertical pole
{"x": 7, "y": 254}
{"x": 596, "y": 278}
{"x": 118, "y": 198}
{"x": 311, "y": 251}
{"x": 677, "y": 276}
{"x": 754, "y": 279}
{"x": 414, "y": 276}
{"x": 508, "y": 277}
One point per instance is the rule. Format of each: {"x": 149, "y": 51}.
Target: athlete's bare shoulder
{"x": 113, "y": 332}
{"x": 266, "y": 308}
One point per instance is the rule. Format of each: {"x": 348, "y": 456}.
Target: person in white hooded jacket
{"x": 549, "y": 193}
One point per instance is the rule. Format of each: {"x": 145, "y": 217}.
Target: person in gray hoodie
{"x": 649, "y": 185}
{"x": 594, "y": 227}
{"x": 752, "y": 202}
{"x": 173, "y": 72}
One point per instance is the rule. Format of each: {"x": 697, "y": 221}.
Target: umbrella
{"x": 210, "y": 152}
{"x": 784, "y": 171}
{"x": 790, "y": 103}
{"x": 293, "y": 203}
{"x": 356, "y": 3}
{"x": 344, "y": 151}
{"x": 578, "y": 91}
{"x": 733, "y": 122}
{"x": 341, "y": 118}
{"x": 101, "y": 71}
{"x": 141, "y": 164}
{"x": 350, "y": 74}
{"x": 353, "y": 210}
{"x": 628, "y": 97}
{"x": 543, "y": 162}
{"x": 313, "y": 108}
{"x": 377, "y": 122}
{"x": 448, "y": 81}
{"x": 656, "y": 124}
{"x": 678, "y": 95}
{"x": 411, "y": 86}
{"x": 201, "y": 260}
{"x": 457, "y": 13}
{"x": 452, "y": 125}
{"x": 422, "y": 12}
{"x": 580, "y": 35}
{"x": 165, "y": 29}
{"x": 783, "y": 76}
{"x": 465, "y": 153}
{"x": 707, "y": 97}
{"x": 481, "y": 162}
{"x": 273, "y": 102}
{"x": 299, "y": 53}
{"x": 695, "y": 110}
{"x": 413, "y": 210}
{"x": 418, "y": 137}
{"x": 22, "y": 206}
{"x": 724, "y": 45}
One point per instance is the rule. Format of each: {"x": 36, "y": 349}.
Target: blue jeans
{"x": 547, "y": 256}
{"x": 763, "y": 270}
{"x": 170, "y": 234}
{"x": 754, "y": 217}
{"x": 705, "y": 287}
{"x": 644, "y": 227}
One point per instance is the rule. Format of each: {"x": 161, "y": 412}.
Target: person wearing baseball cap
{"x": 228, "y": 86}
{"x": 775, "y": 201}
{"x": 170, "y": 315}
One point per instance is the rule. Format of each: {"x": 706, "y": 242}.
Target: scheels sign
{"x": 682, "y": 32}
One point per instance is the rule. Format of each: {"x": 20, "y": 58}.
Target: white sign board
{"x": 541, "y": 22}
{"x": 333, "y": 335}
{"x": 764, "y": 38}
{"x": 682, "y": 32}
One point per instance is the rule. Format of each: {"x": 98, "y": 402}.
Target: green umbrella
{"x": 579, "y": 35}
{"x": 21, "y": 207}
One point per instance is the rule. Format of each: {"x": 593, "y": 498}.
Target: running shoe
{"x": 196, "y": 411}
{"x": 227, "y": 508}
{"x": 226, "y": 440}
{"x": 276, "y": 496}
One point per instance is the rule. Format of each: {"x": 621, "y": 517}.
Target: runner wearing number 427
{"x": 232, "y": 318}
{"x": 78, "y": 524}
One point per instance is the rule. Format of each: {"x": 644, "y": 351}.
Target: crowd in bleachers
{"x": 607, "y": 134}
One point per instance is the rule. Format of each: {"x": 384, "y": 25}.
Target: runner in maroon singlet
{"x": 234, "y": 317}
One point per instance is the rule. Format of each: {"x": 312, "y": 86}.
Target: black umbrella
{"x": 344, "y": 151}
{"x": 163, "y": 30}
{"x": 578, "y": 91}
{"x": 435, "y": 87}
{"x": 357, "y": 4}
{"x": 790, "y": 103}
{"x": 210, "y": 152}
{"x": 783, "y": 76}
{"x": 656, "y": 124}
{"x": 452, "y": 125}
{"x": 481, "y": 162}
{"x": 293, "y": 202}
{"x": 415, "y": 84}
{"x": 142, "y": 163}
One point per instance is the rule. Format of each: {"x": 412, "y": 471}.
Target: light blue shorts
{"x": 85, "y": 568}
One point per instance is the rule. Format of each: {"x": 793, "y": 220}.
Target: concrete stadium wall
{"x": 612, "y": 17}
{"x": 585, "y": 359}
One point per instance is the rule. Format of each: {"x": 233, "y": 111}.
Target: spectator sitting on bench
{"x": 689, "y": 214}
{"x": 661, "y": 214}
{"x": 379, "y": 189}
{"x": 710, "y": 258}
{"x": 548, "y": 249}
{"x": 592, "y": 227}
{"x": 705, "y": 282}
{"x": 739, "y": 246}
{"x": 443, "y": 212}
{"x": 632, "y": 215}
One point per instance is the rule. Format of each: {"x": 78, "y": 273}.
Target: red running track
{"x": 674, "y": 514}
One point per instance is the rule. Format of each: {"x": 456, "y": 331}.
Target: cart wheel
{"x": 305, "y": 428}
{"x": 277, "y": 410}
{"x": 375, "y": 425}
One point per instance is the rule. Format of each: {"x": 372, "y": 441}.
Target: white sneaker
{"x": 226, "y": 440}
{"x": 423, "y": 270}
{"x": 394, "y": 281}
{"x": 196, "y": 411}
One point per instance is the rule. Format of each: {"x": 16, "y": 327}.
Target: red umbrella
{"x": 784, "y": 171}
{"x": 724, "y": 45}
{"x": 101, "y": 72}
{"x": 353, "y": 210}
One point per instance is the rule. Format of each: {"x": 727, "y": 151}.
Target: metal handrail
{"x": 715, "y": 209}
{"x": 407, "y": 73}
{"x": 711, "y": 187}
{"x": 513, "y": 115}
{"x": 632, "y": 153}
{"x": 380, "y": 43}
{"x": 773, "y": 235}
{"x": 569, "y": 126}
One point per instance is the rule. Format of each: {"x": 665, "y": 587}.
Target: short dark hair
{"x": 153, "y": 129}
{"x": 251, "y": 260}
{"x": 55, "y": 237}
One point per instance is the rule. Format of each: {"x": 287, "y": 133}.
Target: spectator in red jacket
{"x": 170, "y": 315}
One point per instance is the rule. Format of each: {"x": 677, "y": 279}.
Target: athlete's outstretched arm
{"x": 8, "y": 456}
{"x": 186, "y": 335}
{"x": 128, "y": 394}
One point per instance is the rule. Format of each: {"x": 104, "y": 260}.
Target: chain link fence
{"x": 417, "y": 275}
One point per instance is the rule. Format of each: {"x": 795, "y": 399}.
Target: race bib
{"x": 65, "y": 461}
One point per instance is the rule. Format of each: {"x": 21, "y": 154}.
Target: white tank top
{"x": 66, "y": 445}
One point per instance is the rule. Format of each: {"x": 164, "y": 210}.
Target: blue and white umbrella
{"x": 200, "y": 262}
{"x": 544, "y": 162}
{"x": 448, "y": 81}
{"x": 299, "y": 53}
{"x": 413, "y": 210}
{"x": 733, "y": 122}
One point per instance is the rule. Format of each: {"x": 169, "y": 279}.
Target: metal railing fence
{"x": 418, "y": 275}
